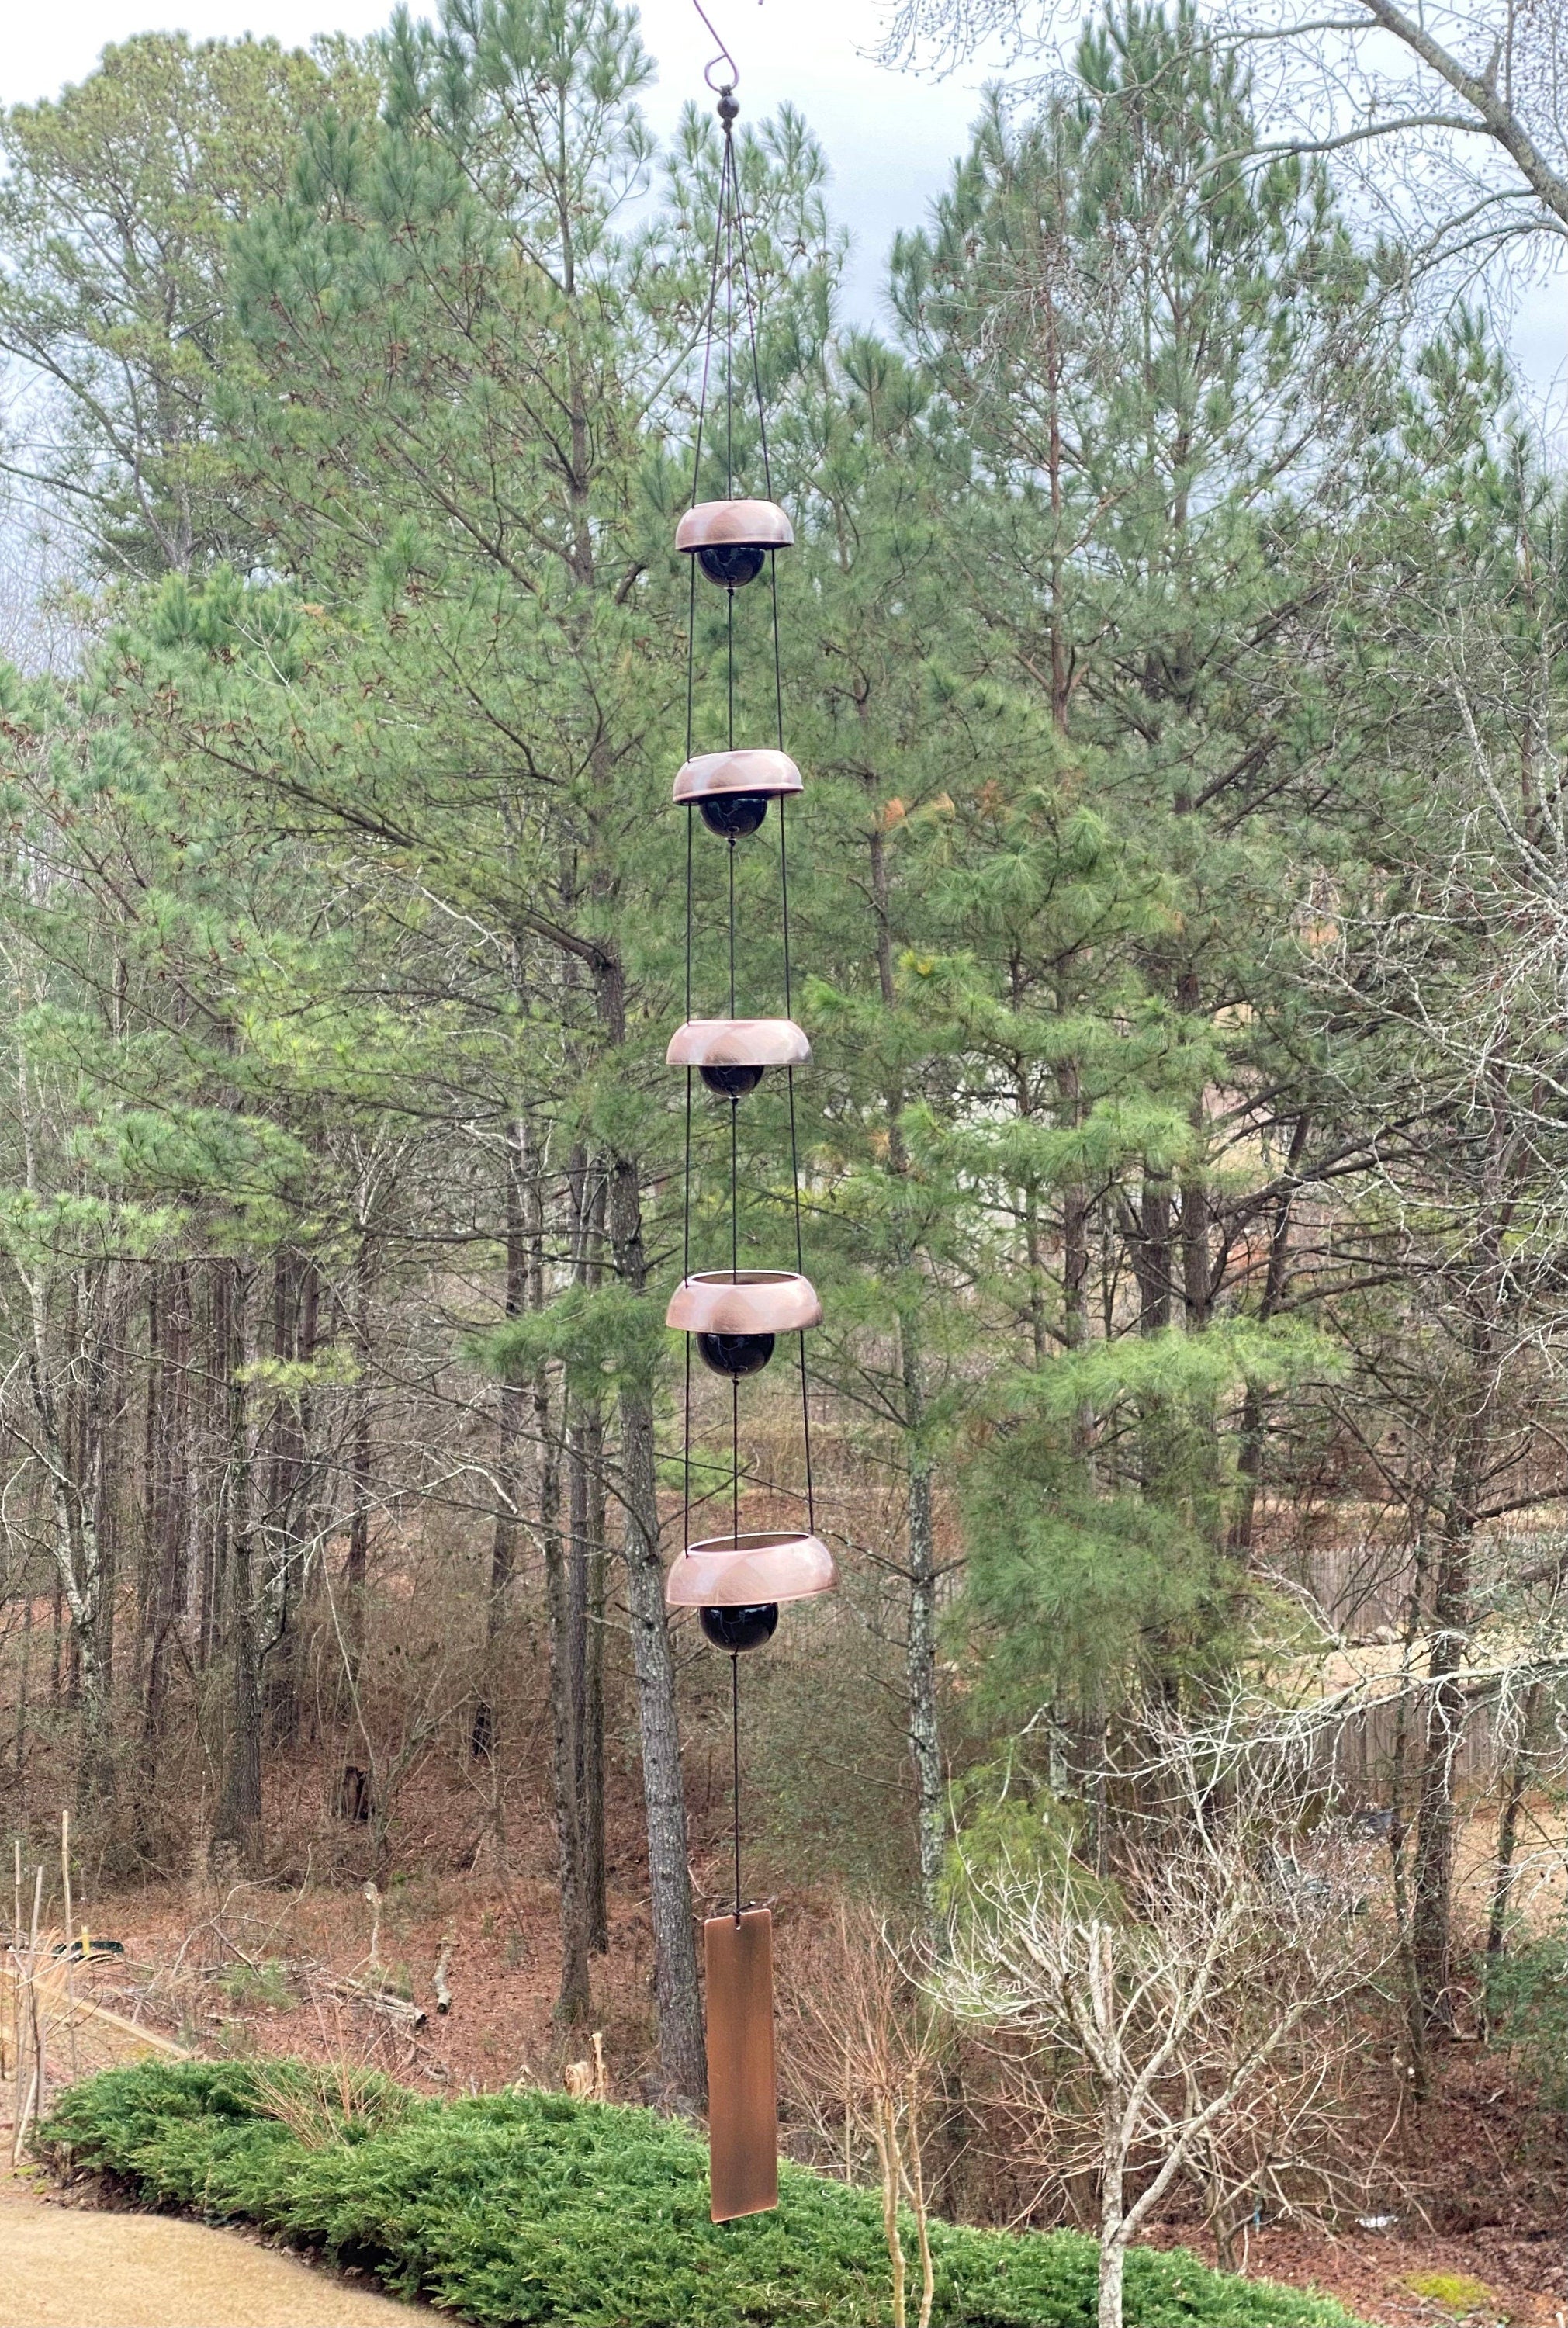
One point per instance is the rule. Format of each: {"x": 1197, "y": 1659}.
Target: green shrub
{"x": 529, "y": 2207}
{"x": 1526, "y": 1993}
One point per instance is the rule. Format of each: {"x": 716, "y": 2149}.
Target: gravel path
{"x": 70, "y": 2267}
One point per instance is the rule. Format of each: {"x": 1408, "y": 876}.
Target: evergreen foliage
{"x": 520, "y": 2206}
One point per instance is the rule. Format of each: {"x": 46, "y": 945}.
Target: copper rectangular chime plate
{"x": 742, "y": 2089}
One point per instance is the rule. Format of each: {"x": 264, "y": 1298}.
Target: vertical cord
{"x": 734, "y": 1277}
{"x": 686, "y": 1343}
{"x": 806, "y": 1438}
{"x": 735, "y": 1754}
{"x": 784, "y": 890}
{"x": 708, "y": 330}
{"x": 800, "y": 1266}
{"x": 777, "y": 667}
{"x": 752, "y": 305}
{"x": 691, "y": 652}
{"x": 686, "y": 1176}
{"x": 783, "y": 881}
{"x": 727, "y": 178}
{"x": 795, "y": 1171}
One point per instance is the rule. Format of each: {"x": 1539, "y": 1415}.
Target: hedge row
{"x": 522, "y": 2206}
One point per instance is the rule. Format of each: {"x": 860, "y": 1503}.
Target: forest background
{"x": 1174, "y": 646}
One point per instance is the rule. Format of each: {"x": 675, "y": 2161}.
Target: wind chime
{"x": 736, "y": 1316}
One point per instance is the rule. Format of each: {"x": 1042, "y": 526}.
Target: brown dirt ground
{"x": 1370, "y": 2272}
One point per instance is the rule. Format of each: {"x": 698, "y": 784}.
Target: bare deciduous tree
{"x": 1456, "y": 116}
{"x": 1165, "y": 2011}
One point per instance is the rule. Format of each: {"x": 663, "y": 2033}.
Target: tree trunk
{"x": 1254, "y": 1410}
{"x": 78, "y": 1575}
{"x": 1508, "y": 1826}
{"x": 238, "y": 1819}
{"x": 574, "y": 2003}
{"x": 512, "y": 1406}
{"x": 593, "y": 1768}
{"x": 169, "y": 1499}
{"x": 1113, "y": 2271}
{"x": 215, "y": 1544}
{"x": 358, "y": 1563}
{"x": 1432, "y": 1908}
{"x": 1432, "y": 1891}
{"x": 1151, "y": 1255}
{"x": 587, "y": 1571}
{"x": 920, "y": 1638}
{"x": 162, "y": 1542}
{"x": 1076, "y": 1218}
{"x": 291, "y": 1516}
{"x": 1152, "y": 1241}
{"x": 106, "y": 1379}
{"x": 682, "y": 2062}
{"x": 920, "y": 1654}
{"x": 155, "y": 1442}
{"x": 586, "y": 1567}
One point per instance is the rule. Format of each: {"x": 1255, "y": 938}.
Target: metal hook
{"x": 720, "y": 89}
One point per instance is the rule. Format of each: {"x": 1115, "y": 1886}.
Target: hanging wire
{"x": 800, "y": 1338}
{"x": 708, "y": 312}
{"x": 777, "y": 662}
{"x": 734, "y": 1279}
{"x": 735, "y": 1760}
{"x": 690, "y": 653}
{"x": 732, "y": 927}
{"x": 784, "y": 875}
{"x": 731, "y": 247}
{"x": 690, "y": 741}
{"x": 686, "y": 1268}
{"x": 727, "y": 180}
{"x": 752, "y": 302}
{"x": 690, "y": 814}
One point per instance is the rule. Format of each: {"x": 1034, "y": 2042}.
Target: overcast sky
{"x": 890, "y": 137}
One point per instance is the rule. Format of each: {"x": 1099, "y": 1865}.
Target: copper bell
{"x": 732, "y": 789}
{"x": 769, "y": 1565}
{"x": 737, "y": 1315}
{"x": 732, "y": 1055}
{"x": 731, "y": 539}
{"x": 736, "y": 1582}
